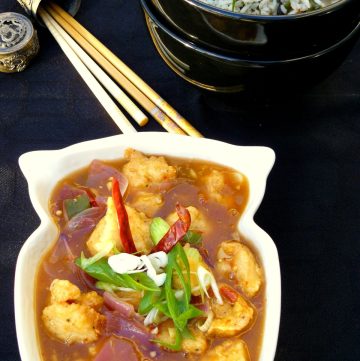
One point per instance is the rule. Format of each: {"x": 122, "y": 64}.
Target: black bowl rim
{"x": 266, "y": 18}
{"x": 233, "y": 59}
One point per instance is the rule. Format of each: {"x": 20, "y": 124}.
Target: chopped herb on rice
{"x": 269, "y": 7}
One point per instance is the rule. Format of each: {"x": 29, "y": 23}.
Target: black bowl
{"x": 275, "y": 37}
{"x": 222, "y": 72}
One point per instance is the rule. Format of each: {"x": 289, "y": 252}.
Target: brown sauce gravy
{"x": 186, "y": 189}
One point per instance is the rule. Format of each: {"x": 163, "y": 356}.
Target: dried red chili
{"x": 228, "y": 293}
{"x": 176, "y": 232}
{"x": 123, "y": 219}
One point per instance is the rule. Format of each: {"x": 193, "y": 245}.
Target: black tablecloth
{"x": 311, "y": 204}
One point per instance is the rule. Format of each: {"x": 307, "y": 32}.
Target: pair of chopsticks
{"x": 100, "y": 69}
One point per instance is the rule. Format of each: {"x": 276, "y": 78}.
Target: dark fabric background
{"x": 311, "y": 208}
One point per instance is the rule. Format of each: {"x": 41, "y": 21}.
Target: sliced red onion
{"x": 132, "y": 329}
{"x": 72, "y": 240}
{"x": 66, "y": 192}
{"x": 116, "y": 349}
{"x": 115, "y": 303}
{"x": 62, "y": 250}
{"x": 99, "y": 175}
{"x": 205, "y": 255}
{"x": 70, "y": 192}
{"x": 205, "y": 307}
{"x": 121, "y": 326}
{"x": 86, "y": 281}
{"x": 84, "y": 221}
{"x": 163, "y": 186}
{"x": 101, "y": 201}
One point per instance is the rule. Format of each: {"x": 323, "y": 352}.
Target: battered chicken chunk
{"x": 140, "y": 229}
{"x": 230, "y": 350}
{"x": 91, "y": 299}
{"x": 106, "y": 233}
{"x": 72, "y": 322}
{"x": 214, "y": 184}
{"x": 147, "y": 202}
{"x": 215, "y": 187}
{"x": 63, "y": 291}
{"x": 196, "y": 345}
{"x": 166, "y": 332}
{"x": 142, "y": 171}
{"x": 198, "y": 220}
{"x": 231, "y": 319}
{"x": 72, "y": 317}
{"x": 236, "y": 261}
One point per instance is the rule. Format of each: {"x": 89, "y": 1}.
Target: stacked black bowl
{"x": 224, "y": 51}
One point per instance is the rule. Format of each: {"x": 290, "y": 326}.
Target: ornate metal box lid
{"x": 18, "y": 42}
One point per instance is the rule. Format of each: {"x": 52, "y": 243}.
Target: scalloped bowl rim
{"x": 43, "y": 169}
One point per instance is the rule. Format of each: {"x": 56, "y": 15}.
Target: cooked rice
{"x": 269, "y": 7}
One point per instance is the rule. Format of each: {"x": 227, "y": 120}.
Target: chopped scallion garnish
{"x": 158, "y": 229}
{"x": 101, "y": 271}
{"x": 206, "y": 278}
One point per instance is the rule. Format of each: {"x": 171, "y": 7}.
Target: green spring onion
{"x": 158, "y": 229}
{"x": 101, "y": 271}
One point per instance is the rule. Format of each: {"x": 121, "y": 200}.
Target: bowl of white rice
{"x": 223, "y": 71}
{"x": 266, "y": 29}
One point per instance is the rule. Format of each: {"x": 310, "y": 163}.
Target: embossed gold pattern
{"x": 18, "y": 42}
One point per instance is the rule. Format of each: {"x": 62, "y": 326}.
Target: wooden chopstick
{"x": 127, "y": 72}
{"x": 130, "y": 88}
{"x": 115, "y": 113}
{"x": 103, "y": 78}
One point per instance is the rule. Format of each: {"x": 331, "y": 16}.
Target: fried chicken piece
{"x": 73, "y": 322}
{"x": 236, "y": 261}
{"x": 231, "y": 319}
{"x": 198, "y": 220}
{"x": 196, "y": 345}
{"x": 141, "y": 171}
{"x": 230, "y": 350}
{"x": 147, "y": 202}
{"x": 214, "y": 184}
{"x": 71, "y": 316}
{"x": 140, "y": 229}
{"x": 91, "y": 299}
{"x": 63, "y": 291}
{"x": 106, "y": 234}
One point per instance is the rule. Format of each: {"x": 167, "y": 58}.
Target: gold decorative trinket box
{"x": 18, "y": 42}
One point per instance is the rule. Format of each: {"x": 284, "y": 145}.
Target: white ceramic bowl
{"x": 43, "y": 169}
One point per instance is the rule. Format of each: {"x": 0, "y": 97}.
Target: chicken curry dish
{"x": 149, "y": 265}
